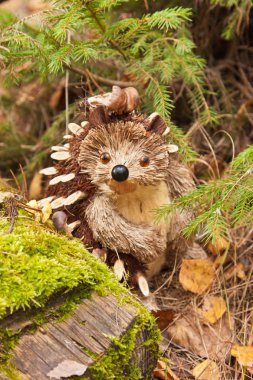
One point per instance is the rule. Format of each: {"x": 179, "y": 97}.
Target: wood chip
{"x": 62, "y": 178}
{"x": 84, "y": 123}
{"x": 72, "y": 198}
{"x": 166, "y": 132}
{"x": 60, "y": 156}
{"x": 152, "y": 116}
{"x": 49, "y": 171}
{"x": 44, "y": 201}
{"x": 58, "y": 148}
{"x": 75, "y": 128}
{"x": 56, "y": 180}
{"x": 119, "y": 269}
{"x": 68, "y": 177}
{"x": 72, "y": 226}
{"x": 68, "y": 137}
{"x": 172, "y": 148}
{"x": 57, "y": 203}
{"x": 143, "y": 285}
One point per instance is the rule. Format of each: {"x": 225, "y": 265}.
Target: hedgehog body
{"x": 115, "y": 170}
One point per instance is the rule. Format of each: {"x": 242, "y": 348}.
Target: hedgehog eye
{"x": 144, "y": 161}
{"x": 105, "y": 158}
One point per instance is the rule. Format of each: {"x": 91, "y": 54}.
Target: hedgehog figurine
{"x": 114, "y": 171}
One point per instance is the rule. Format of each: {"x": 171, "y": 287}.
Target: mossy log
{"x": 58, "y": 303}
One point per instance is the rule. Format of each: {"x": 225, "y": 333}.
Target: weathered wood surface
{"x": 87, "y": 330}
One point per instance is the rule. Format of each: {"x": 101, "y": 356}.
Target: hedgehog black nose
{"x": 120, "y": 173}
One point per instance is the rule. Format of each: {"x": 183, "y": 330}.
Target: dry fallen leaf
{"x": 219, "y": 246}
{"x": 46, "y": 212}
{"x": 41, "y": 215}
{"x": 197, "y": 275}
{"x": 163, "y": 372}
{"x": 33, "y": 210}
{"x": 67, "y": 368}
{"x": 220, "y": 260}
{"x": 213, "y": 309}
{"x": 204, "y": 340}
{"x": 207, "y": 370}
{"x": 35, "y": 188}
{"x": 164, "y": 318}
{"x": 244, "y": 355}
{"x": 235, "y": 270}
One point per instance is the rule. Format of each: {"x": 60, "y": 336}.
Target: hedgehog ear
{"x": 98, "y": 116}
{"x": 155, "y": 123}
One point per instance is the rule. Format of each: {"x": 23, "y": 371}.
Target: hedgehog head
{"x": 120, "y": 155}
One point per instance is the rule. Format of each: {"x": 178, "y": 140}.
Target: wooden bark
{"x": 83, "y": 335}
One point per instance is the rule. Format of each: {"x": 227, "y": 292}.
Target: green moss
{"x": 9, "y": 339}
{"x": 115, "y": 364}
{"x": 10, "y": 372}
{"x": 36, "y": 262}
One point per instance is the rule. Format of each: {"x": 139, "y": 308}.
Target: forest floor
{"x": 204, "y": 308}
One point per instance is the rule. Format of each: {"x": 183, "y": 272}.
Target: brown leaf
{"x": 197, "y": 275}
{"x": 164, "y": 318}
{"x": 204, "y": 340}
{"x": 206, "y": 370}
{"x": 213, "y": 309}
{"x": 163, "y": 372}
{"x": 67, "y": 368}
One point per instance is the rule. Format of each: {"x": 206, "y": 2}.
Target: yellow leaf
{"x": 34, "y": 205}
{"x": 235, "y": 270}
{"x": 219, "y": 246}
{"x": 207, "y": 370}
{"x": 220, "y": 260}
{"x": 35, "y": 189}
{"x": 197, "y": 275}
{"x": 243, "y": 354}
{"x": 46, "y": 212}
{"x": 213, "y": 309}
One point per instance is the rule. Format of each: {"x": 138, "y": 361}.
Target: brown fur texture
{"x": 119, "y": 216}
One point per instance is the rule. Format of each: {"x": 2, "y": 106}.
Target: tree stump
{"x": 80, "y": 322}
